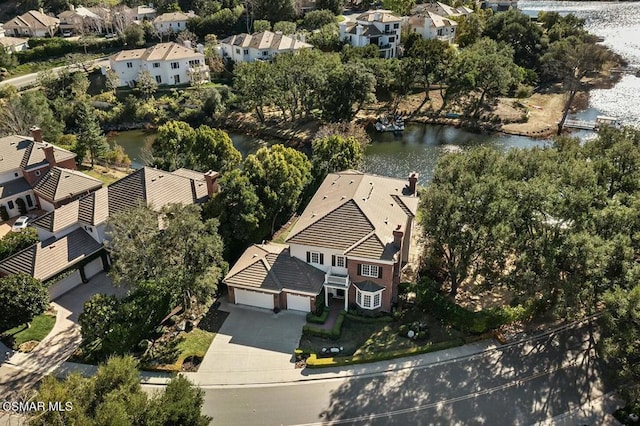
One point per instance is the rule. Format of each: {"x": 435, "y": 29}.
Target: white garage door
{"x": 298, "y": 303}
{"x": 93, "y": 268}
{"x": 254, "y": 298}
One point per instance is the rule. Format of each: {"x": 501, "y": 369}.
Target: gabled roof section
{"x": 356, "y": 213}
{"x": 22, "y": 152}
{"x": 270, "y": 267}
{"x": 266, "y": 40}
{"x": 173, "y": 17}
{"x": 52, "y": 256}
{"x": 59, "y": 184}
{"x": 33, "y": 19}
{"x": 378, "y": 16}
{"x": 159, "y": 52}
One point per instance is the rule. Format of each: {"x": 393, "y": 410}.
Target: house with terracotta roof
{"x": 168, "y": 63}
{"x": 72, "y": 237}
{"x": 34, "y": 23}
{"x": 356, "y": 231}
{"x": 430, "y": 25}
{"x": 378, "y": 27}
{"x": 24, "y": 161}
{"x": 172, "y": 23}
{"x": 262, "y": 46}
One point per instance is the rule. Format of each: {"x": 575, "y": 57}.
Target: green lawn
{"x": 40, "y": 327}
{"x": 366, "y": 338}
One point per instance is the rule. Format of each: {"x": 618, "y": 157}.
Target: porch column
{"x": 326, "y": 297}
{"x": 346, "y": 299}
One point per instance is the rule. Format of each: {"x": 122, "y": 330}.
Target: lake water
{"x": 419, "y": 148}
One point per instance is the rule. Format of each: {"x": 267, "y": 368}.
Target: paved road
{"x": 29, "y": 79}
{"x": 521, "y": 384}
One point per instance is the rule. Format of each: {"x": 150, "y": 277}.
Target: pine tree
{"x": 90, "y": 136}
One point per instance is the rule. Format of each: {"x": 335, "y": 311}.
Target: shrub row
{"x": 318, "y": 319}
{"x": 474, "y": 322}
{"x": 360, "y": 318}
{"x": 43, "y": 49}
{"x": 334, "y": 333}
{"x": 314, "y": 362}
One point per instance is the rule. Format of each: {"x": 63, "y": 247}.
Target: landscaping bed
{"x": 23, "y": 338}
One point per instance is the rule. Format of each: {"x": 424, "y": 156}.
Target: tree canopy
{"x": 22, "y": 299}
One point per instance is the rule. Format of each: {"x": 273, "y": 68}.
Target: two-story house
{"x": 262, "y": 46}
{"x": 356, "y": 231}
{"x": 72, "y": 236}
{"x": 172, "y": 23}
{"x": 12, "y": 44}
{"x": 441, "y": 9}
{"x": 34, "y": 23}
{"x": 377, "y": 27}
{"x": 432, "y": 26}
{"x": 81, "y": 20}
{"x": 24, "y": 161}
{"x": 168, "y": 63}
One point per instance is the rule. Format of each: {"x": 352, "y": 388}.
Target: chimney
{"x": 397, "y": 236}
{"x": 48, "y": 154}
{"x": 413, "y": 181}
{"x": 359, "y": 29}
{"x": 211, "y": 178}
{"x": 187, "y": 44}
{"x": 377, "y": 16}
{"x": 36, "y": 133}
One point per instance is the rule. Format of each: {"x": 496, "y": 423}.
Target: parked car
{"x": 20, "y": 224}
{"x": 111, "y": 35}
{"x": 67, "y": 33}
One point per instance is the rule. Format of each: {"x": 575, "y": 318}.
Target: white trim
{"x": 370, "y": 269}
{"x": 370, "y": 260}
{"x": 258, "y": 289}
{"x": 300, "y": 293}
{"x": 361, "y": 295}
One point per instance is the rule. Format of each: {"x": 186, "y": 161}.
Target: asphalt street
{"x": 520, "y": 384}
{"x": 29, "y": 79}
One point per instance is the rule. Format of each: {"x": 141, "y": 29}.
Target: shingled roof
{"x": 159, "y": 52}
{"x": 154, "y": 187}
{"x": 356, "y": 213}
{"x": 270, "y": 267}
{"x": 266, "y": 40}
{"x": 32, "y": 19}
{"x": 52, "y": 256}
{"x": 22, "y": 152}
{"x": 60, "y": 184}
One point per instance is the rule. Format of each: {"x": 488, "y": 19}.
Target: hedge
{"x": 333, "y": 334}
{"x": 318, "y": 319}
{"x": 47, "y": 48}
{"x": 361, "y": 318}
{"x": 314, "y": 362}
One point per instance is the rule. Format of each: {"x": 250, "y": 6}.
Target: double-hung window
{"x": 369, "y": 270}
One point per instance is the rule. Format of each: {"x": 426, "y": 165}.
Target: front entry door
{"x": 340, "y": 294}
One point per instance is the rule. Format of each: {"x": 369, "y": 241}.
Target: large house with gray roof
{"x": 262, "y": 46}
{"x": 356, "y": 231}
{"x": 24, "y": 161}
{"x": 377, "y": 27}
{"x": 72, "y": 236}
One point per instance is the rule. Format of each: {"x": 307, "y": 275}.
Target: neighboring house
{"x": 168, "y": 63}
{"x": 432, "y": 26}
{"x": 356, "y": 231}
{"x": 143, "y": 13}
{"x": 34, "y": 23}
{"x": 498, "y": 5}
{"x": 441, "y": 9}
{"x": 171, "y": 23}
{"x": 81, "y": 20}
{"x": 267, "y": 276}
{"x": 377, "y": 27}
{"x": 72, "y": 237}
{"x": 13, "y": 44}
{"x": 23, "y": 162}
{"x": 262, "y": 46}
{"x": 61, "y": 186}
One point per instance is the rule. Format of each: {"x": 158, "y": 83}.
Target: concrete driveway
{"x": 253, "y": 346}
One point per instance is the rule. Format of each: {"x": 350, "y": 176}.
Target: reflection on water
{"x": 619, "y": 25}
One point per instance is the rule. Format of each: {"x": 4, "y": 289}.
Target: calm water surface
{"x": 419, "y": 148}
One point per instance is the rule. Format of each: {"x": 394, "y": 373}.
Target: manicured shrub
{"x": 318, "y": 319}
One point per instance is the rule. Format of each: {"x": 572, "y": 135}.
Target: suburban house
{"x": 441, "y": 9}
{"x": 72, "y": 236}
{"x": 60, "y": 186}
{"x": 168, "y": 63}
{"x": 356, "y": 231}
{"x": 262, "y": 46}
{"x": 24, "y": 161}
{"x": 171, "y": 23}
{"x": 81, "y": 20}
{"x": 498, "y": 5}
{"x": 432, "y": 26}
{"x": 143, "y": 13}
{"x": 377, "y": 27}
{"x": 33, "y": 23}
{"x": 12, "y": 44}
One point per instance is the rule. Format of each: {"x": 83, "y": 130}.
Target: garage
{"x": 298, "y": 303}
{"x": 254, "y": 298}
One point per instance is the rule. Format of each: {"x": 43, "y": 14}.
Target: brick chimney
{"x": 48, "y": 154}
{"x": 397, "y": 236}
{"x": 36, "y": 133}
{"x": 211, "y": 178}
{"x": 413, "y": 182}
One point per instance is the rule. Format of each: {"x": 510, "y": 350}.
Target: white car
{"x": 20, "y": 224}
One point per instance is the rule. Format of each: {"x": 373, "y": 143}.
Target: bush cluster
{"x": 46, "y": 48}
{"x": 333, "y": 334}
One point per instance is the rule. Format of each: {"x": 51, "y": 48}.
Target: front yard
{"x": 375, "y": 336}
{"x": 24, "y": 338}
